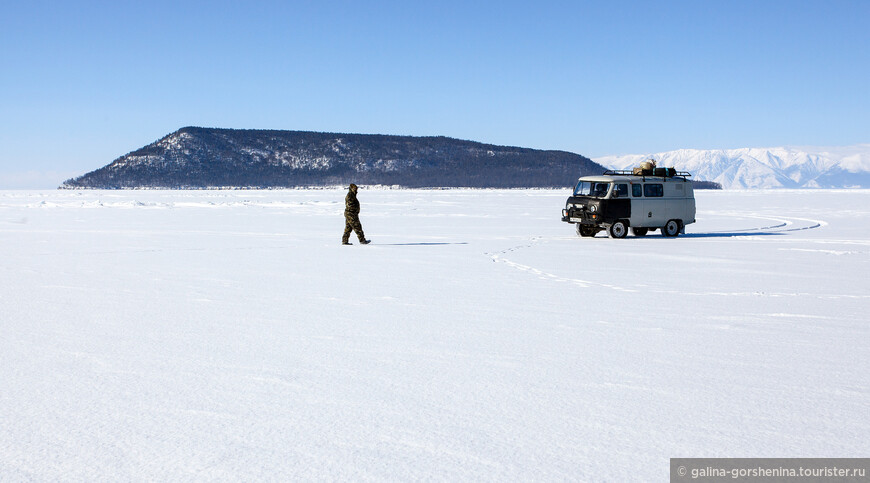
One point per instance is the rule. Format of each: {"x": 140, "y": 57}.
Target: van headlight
{"x": 593, "y": 208}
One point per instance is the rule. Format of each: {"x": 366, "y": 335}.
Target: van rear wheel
{"x": 618, "y": 229}
{"x": 671, "y": 228}
{"x": 639, "y": 231}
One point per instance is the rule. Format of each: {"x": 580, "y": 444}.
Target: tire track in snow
{"x": 784, "y": 223}
{"x": 500, "y": 257}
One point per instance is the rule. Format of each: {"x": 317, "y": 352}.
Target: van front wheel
{"x": 671, "y": 228}
{"x": 618, "y": 229}
{"x": 586, "y": 230}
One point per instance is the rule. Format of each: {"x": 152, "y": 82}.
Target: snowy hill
{"x": 785, "y": 167}
{"x": 194, "y": 157}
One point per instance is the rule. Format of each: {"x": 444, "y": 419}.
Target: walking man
{"x": 351, "y": 218}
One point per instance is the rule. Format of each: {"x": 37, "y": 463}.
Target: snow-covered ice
{"x": 226, "y": 335}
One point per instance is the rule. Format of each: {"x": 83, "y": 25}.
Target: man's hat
{"x": 353, "y": 186}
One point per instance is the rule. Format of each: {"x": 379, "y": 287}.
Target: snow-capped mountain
{"x": 784, "y": 167}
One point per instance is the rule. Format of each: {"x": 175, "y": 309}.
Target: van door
{"x": 655, "y": 204}
{"x": 684, "y": 202}
{"x": 619, "y": 204}
{"x": 638, "y": 213}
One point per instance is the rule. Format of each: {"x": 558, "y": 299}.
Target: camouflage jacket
{"x": 351, "y": 204}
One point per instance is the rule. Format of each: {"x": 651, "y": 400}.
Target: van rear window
{"x": 653, "y": 190}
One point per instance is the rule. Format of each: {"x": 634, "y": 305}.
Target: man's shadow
{"x": 422, "y": 244}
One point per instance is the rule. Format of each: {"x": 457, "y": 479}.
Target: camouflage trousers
{"x": 351, "y": 223}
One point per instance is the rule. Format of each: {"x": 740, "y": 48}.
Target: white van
{"x": 642, "y": 200}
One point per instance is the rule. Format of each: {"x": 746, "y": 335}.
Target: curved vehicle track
{"x": 781, "y": 226}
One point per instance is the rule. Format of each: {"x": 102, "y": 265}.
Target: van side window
{"x": 636, "y": 190}
{"x": 653, "y": 190}
{"x": 621, "y": 191}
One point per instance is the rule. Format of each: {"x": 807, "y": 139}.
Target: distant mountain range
{"x": 195, "y": 157}
{"x": 808, "y": 167}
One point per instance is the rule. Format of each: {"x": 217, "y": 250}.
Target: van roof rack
{"x": 628, "y": 172}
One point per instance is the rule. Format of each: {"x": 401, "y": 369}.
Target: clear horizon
{"x": 87, "y": 83}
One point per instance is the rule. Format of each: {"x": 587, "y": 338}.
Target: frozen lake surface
{"x": 179, "y": 335}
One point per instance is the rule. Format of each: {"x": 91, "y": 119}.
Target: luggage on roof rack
{"x": 661, "y": 172}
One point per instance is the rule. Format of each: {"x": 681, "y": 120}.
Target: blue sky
{"x": 85, "y": 82}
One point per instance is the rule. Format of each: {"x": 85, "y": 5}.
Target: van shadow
{"x": 702, "y": 235}
{"x": 730, "y": 234}
{"x": 762, "y": 231}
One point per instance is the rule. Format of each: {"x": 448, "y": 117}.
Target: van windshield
{"x": 591, "y": 188}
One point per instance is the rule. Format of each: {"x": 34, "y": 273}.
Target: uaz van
{"x": 643, "y": 200}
